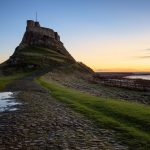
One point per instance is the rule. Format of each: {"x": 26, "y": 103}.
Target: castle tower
{"x": 37, "y": 24}
{"x": 30, "y": 23}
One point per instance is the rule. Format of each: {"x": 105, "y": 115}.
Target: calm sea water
{"x": 144, "y": 77}
{"x": 8, "y": 102}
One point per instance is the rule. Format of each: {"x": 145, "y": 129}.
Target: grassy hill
{"x": 33, "y": 58}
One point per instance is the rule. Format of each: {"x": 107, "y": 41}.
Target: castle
{"x": 36, "y": 35}
{"x": 35, "y": 27}
{"x": 41, "y": 48}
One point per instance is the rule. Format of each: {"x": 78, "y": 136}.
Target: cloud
{"x": 148, "y": 49}
{"x": 146, "y": 54}
{"x": 144, "y": 57}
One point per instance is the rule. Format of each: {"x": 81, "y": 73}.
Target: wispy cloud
{"x": 144, "y": 57}
{"x": 148, "y": 49}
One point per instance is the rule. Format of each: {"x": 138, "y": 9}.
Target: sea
{"x": 144, "y": 77}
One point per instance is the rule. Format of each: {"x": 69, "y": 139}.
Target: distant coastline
{"x": 129, "y": 80}
{"x": 143, "y": 77}
{"x": 128, "y": 75}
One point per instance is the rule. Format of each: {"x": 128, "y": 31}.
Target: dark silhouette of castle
{"x": 35, "y": 27}
{"x": 36, "y": 35}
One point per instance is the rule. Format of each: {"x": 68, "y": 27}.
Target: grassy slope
{"x": 130, "y": 120}
{"x": 42, "y": 57}
{"x": 42, "y": 52}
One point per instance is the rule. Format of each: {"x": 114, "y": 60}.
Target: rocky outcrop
{"x": 42, "y": 37}
{"x": 41, "y": 48}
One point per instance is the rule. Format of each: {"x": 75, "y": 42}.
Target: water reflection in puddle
{"x": 8, "y": 101}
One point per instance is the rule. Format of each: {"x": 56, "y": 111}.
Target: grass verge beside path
{"x": 131, "y": 121}
{"x": 5, "y": 80}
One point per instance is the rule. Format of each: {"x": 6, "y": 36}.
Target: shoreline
{"x": 123, "y": 80}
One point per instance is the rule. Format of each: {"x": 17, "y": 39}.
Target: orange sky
{"x": 113, "y": 54}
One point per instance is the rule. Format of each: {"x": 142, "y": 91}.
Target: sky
{"x": 106, "y": 35}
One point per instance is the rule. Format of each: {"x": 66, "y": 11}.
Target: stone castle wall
{"x": 42, "y": 31}
{"x": 35, "y": 27}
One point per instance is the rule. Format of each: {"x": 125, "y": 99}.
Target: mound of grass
{"x": 37, "y": 51}
{"x": 131, "y": 121}
{"x": 42, "y": 57}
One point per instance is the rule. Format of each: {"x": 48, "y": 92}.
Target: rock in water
{"x": 41, "y": 48}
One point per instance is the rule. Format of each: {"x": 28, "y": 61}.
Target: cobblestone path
{"x": 43, "y": 123}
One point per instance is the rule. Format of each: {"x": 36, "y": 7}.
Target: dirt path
{"x": 43, "y": 123}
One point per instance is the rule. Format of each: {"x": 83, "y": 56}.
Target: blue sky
{"x": 104, "y": 34}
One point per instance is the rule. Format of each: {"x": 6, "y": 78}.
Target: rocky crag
{"x": 41, "y": 48}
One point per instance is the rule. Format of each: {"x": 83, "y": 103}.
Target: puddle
{"x": 8, "y": 101}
